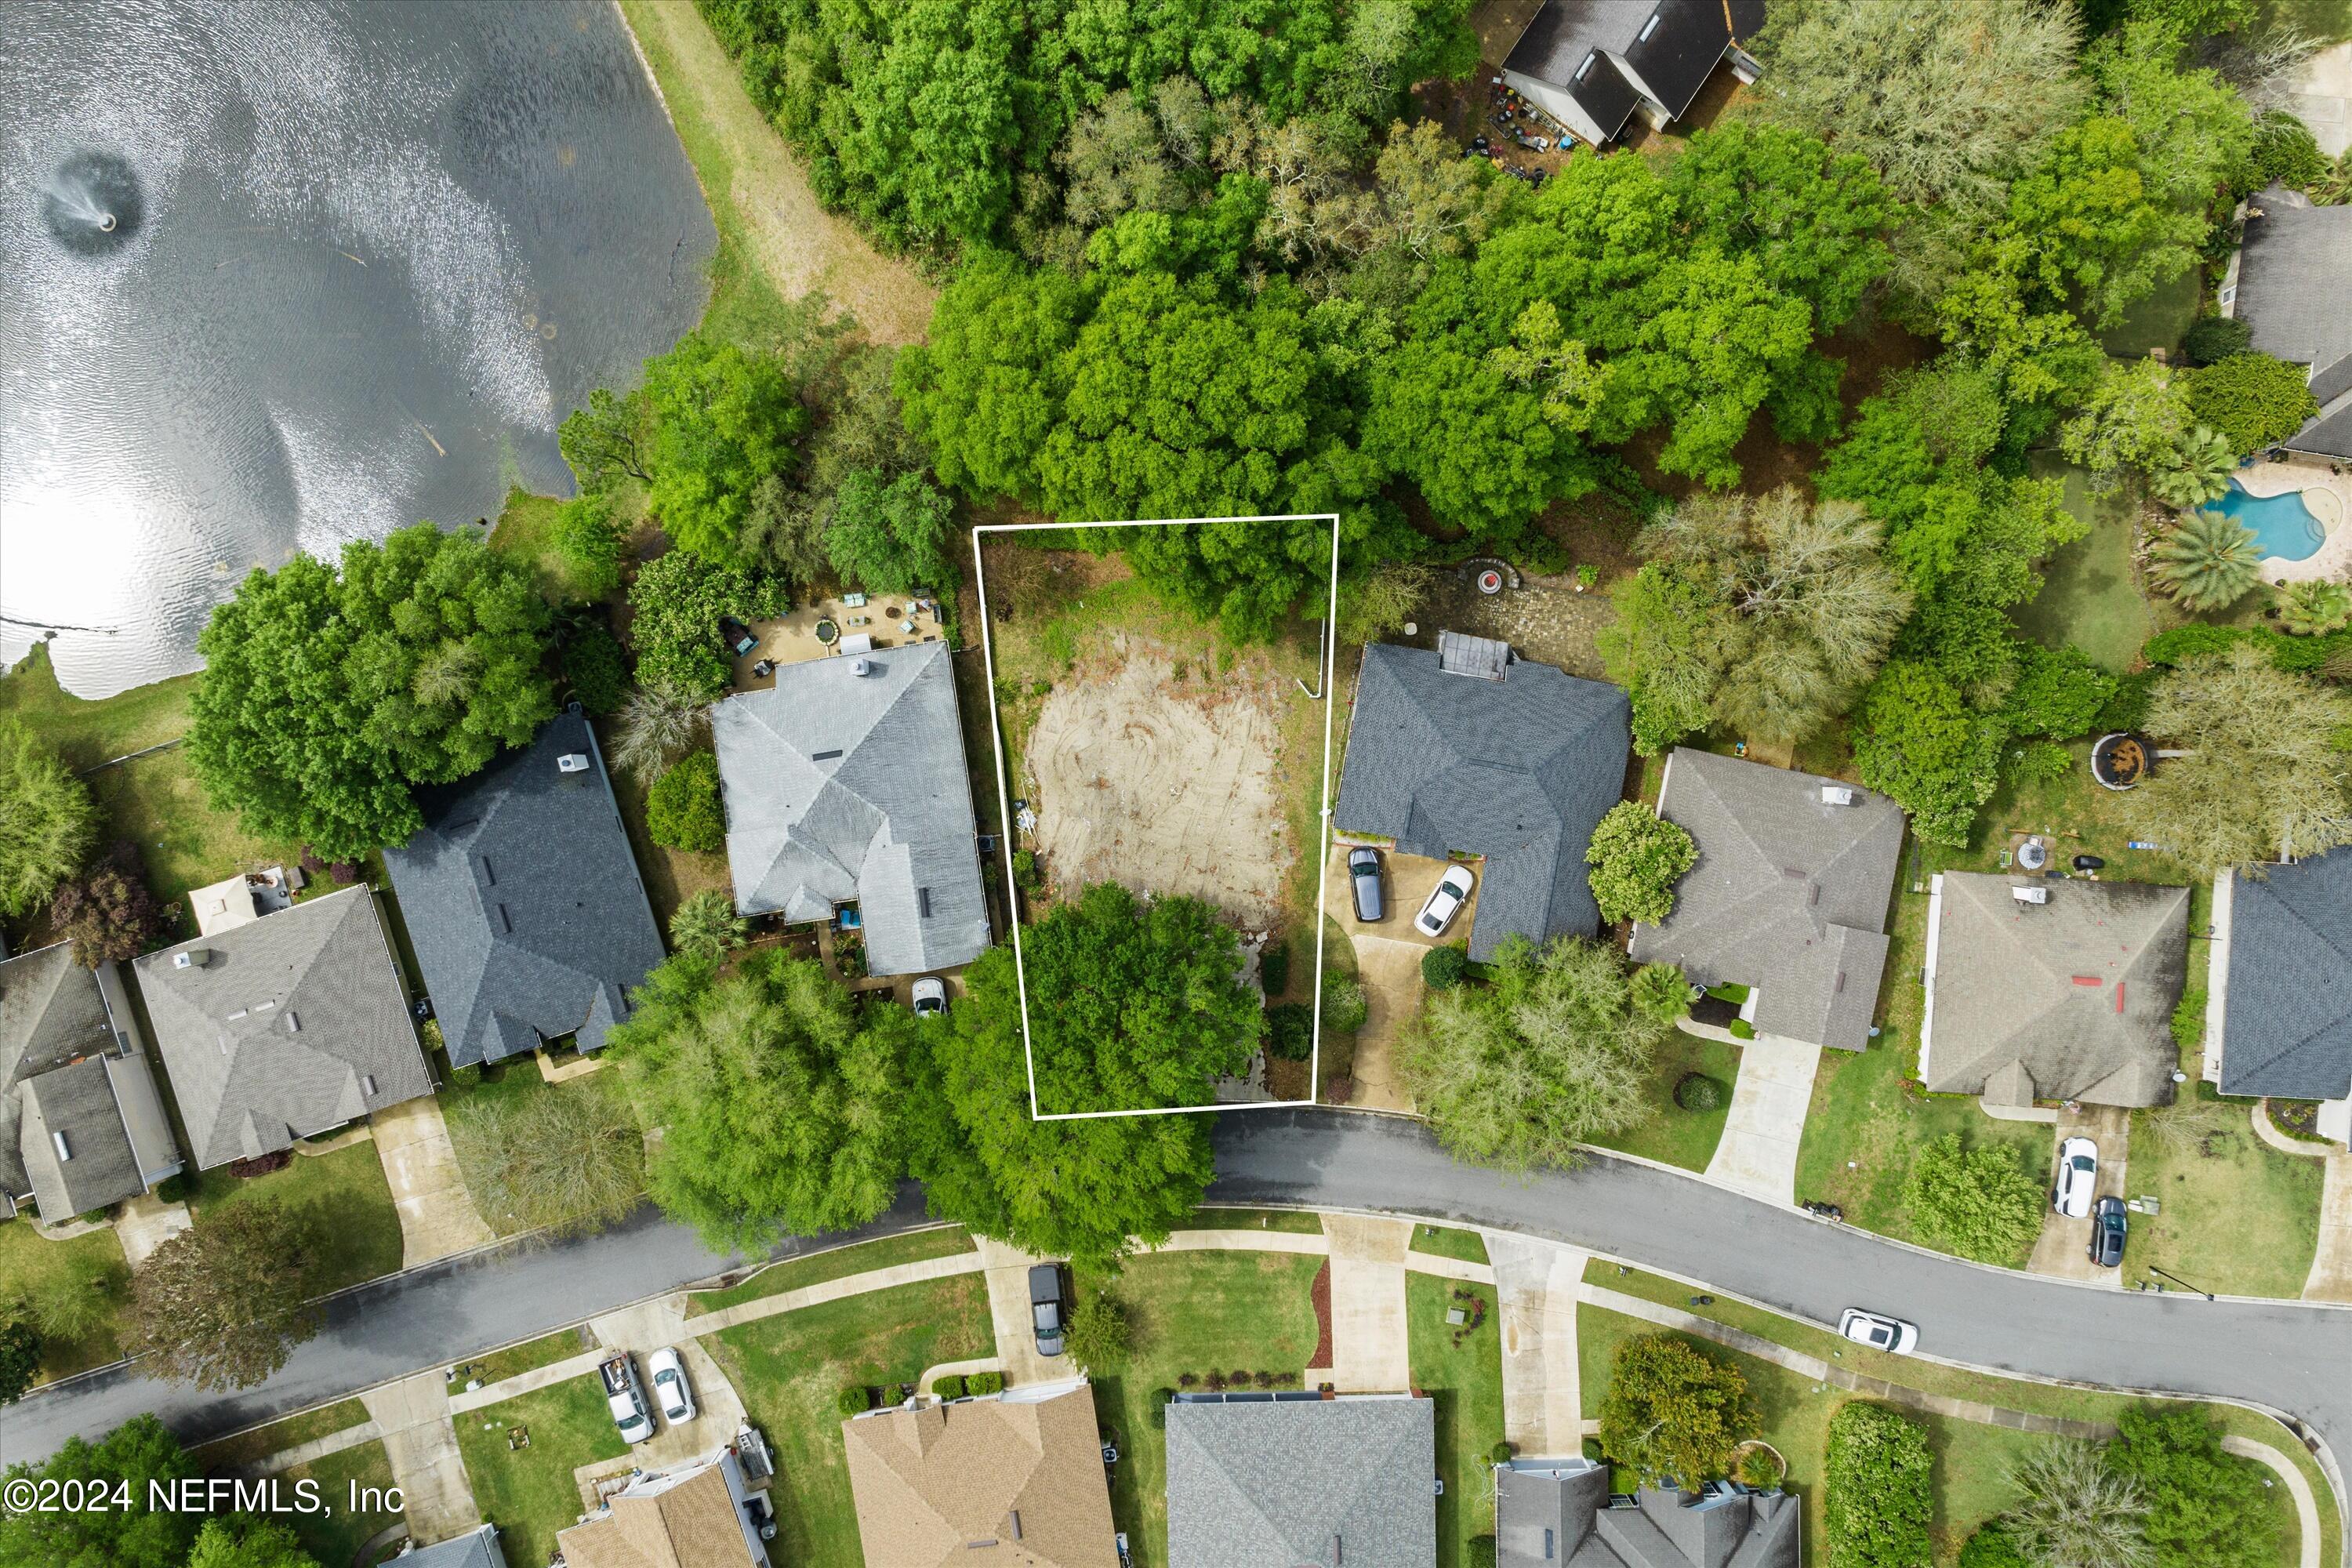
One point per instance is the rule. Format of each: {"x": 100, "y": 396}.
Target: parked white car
{"x": 2078, "y": 1178}
{"x": 1446, "y": 900}
{"x": 1892, "y": 1335}
{"x": 931, "y": 996}
{"x": 670, "y": 1389}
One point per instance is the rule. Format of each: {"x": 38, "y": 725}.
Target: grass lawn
{"x": 2234, "y": 1216}
{"x": 2158, "y": 320}
{"x": 1679, "y": 1137}
{"x": 342, "y": 1197}
{"x": 2090, "y": 594}
{"x": 790, "y": 1370}
{"x": 525, "y": 531}
{"x": 528, "y": 1493}
{"x": 155, "y": 801}
{"x": 1291, "y": 1220}
{"x": 1450, "y": 1241}
{"x": 527, "y": 1356}
{"x": 83, "y": 1282}
{"x": 1192, "y": 1313}
{"x": 335, "y": 1538}
{"x": 839, "y": 1263}
{"x": 1465, "y": 1382}
{"x": 259, "y": 1443}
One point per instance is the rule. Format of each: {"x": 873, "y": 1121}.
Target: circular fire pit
{"x": 2120, "y": 761}
{"x": 1490, "y": 582}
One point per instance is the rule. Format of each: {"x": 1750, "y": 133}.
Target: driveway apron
{"x": 437, "y": 1216}
{"x": 1758, "y": 1154}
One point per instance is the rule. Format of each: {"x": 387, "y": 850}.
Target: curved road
{"x": 2288, "y": 1357}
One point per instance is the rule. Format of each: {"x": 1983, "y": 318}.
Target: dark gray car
{"x": 1045, "y": 1307}
{"x": 2108, "y": 1228}
{"x": 1364, "y": 876}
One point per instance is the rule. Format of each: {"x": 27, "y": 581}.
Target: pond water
{"x": 2281, "y": 524}
{"x": 276, "y": 277}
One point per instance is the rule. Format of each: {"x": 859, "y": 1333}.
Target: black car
{"x": 2108, "y": 1228}
{"x": 1045, "y": 1307}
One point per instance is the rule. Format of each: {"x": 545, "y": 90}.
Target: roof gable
{"x": 1008, "y": 1480}
{"x": 1278, "y": 1483}
{"x": 2288, "y": 1018}
{"x": 55, "y": 1031}
{"x": 1724, "y": 1526}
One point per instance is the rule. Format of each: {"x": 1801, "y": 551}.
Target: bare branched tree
{"x": 655, "y": 727}
{"x": 2075, "y": 1511}
{"x": 567, "y": 1161}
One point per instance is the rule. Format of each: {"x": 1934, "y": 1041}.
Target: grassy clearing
{"x": 259, "y": 1443}
{"x": 1465, "y": 1382}
{"x": 527, "y": 1356}
{"x": 2234, "y": 1216}
{"x": 528, "y": 1493}
{"x": 525, "y": 531}
{"x": 83, "y": 1282}
{"x": 1291, "y": 1220}
{"x": 2090, "y": 594}
{"x": 791, "y": 1371}
{"x": 1450, "y": 1241}
{"x": 342, "y": 1198}
{"x": 361, "y": 1474}
{"x": 839, "y": 1263}
{"x": 1679, "y": 1137}
{"x": 1192, "y": 1313}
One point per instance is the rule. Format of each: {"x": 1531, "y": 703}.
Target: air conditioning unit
{"x": 2030, "y": 895}
{"x": 1837, "y": 795}
{"x": 571, "y": 762}
{"x": 191, "y": 958}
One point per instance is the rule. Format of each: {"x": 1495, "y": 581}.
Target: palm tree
{"x": 654, "y": 728}
{"x": 707, "y": 925}
{"x": 2204, "y": 461}
{"x": 2314, "y": 609}
{"x": 2208, "y": 562}
{"x": 2074, "y": 1511}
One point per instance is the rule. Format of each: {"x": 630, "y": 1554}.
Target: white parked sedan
{"x": 670, "y": 1390}
{"x": 2078, "y": 1178}
{"x": 1446, "y": 900}
{"x": 1892, "y": 1335}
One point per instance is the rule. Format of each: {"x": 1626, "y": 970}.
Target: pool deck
{"x": 2328, "y": 496}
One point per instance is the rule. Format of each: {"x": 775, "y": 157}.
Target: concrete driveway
{"x": 421, "y": 1444}
{"x": 2063, "y": 1250}
{"x": 1766, "y": 1124}
{"x": 1538, "y": 1284}
{"x": 1008, "y": 1310}
{"x": 1388, "y": 963}
{"x": 1368, "y": 1345}
{"x": 436, "y": 1214}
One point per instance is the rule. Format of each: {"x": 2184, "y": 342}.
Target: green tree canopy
{"x": 1980, "y": 1202}
{"x": 140, "y": 1451}
{"x": 2206, "y": 1509}
{"x": 1672, "y": 1409}
{"x": 223, "y": 1305}
{"x": 894, "y": 537}
{"x": 678, "y": 600}
{"x": 724, "y": 419}
{"x": 2251, "y": 399}
{"x": 1879, "y": 1492}
{"x": 20, "y": 1351}
{"x": 1637, "y": 856}
{"x": 240, "y": 1541}
{"x": 1549, "y": 1055}
{"x": 2207, "y": 561}
{"x": 2265, "y": 770}
{"x": 47, "y": 821}
{"x": 326, "y": 694}
{"x": 570, "y": 1162}
{"x": 779, "y": 1105}
{"x": 602, "y": 441}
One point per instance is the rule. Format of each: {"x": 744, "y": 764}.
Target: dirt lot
{"x": 1163, "y": 784}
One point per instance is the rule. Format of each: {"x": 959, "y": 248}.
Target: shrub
{"x": 1099, "y": 1335}
{"x": 1480, "y": 1553}
{"x": 20, "y": 1351}
{"x": 1878, "y": 1496}
{"x": 1741, "y": 1030}
{"x": 1991, "y": 1547}
{"x": 2252, "y": 399}
{"x": 586, "y": 541}
{"x": 107, "y": 912}
{"x": 1025, "y": 870}
{"x": 1760, "y": 1468}
{"x": 2314, "y": 609}
{"x": 2189, "y": 1018}
{"x": 1290, "y": 1031}
{"x": 2211, "y": 339}
{"x": 981, "y": 1383}
{"x": 173, "y": 1189}
{"x": 2058, "y": 694}
{"x": 855, "y": 1401}
{"x": 682, "y": 810}
{"x": 1978, "y": 1203}
{"x": 2206, "y": 561}
{"x": 948, "y": 1387}
{"x": 1344, "y": 1006}
{"x": 1160, "y": 1397}
{"x": 595, "y": 670}
{"x": 707, "y": 925}
{"x": 2285, "y": 152}
{"x": 1274, "y": 966}
{"x": 1443, "y": 968}
{"x": 1500, "y": 1454}
{"x": 898, "y": 1393}
{"x": 1662, "y": 990}
{"x": 465, "y": 1077}
{"x": 2043, "y": 762}
{"x": 2127, "y": 709}
{"x": 1696, "y": 1091}
{"x": 1637, "y": 856}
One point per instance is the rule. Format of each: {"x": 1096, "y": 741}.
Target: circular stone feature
{"x": 827, "y": 633}
{"x": 2120, "y": 761}
{"x": 1490, "y": 582}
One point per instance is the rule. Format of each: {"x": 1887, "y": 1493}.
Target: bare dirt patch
{"x": 1141, "y": 777}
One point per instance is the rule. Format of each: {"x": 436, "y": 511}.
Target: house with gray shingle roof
{"x": 1594, "y": 65}
{"x": 1788, "y": 897}
{"x": 2053, "y": 989}
{"x": 477, "y": 1547}
{"x": 1285, "y": 1480}
{"x": 1553, "y": 1511}
{"x": 1470, "y": 750}
{"x": 82, "y": 1125}
{"x": 844, "y": 783}
{"x": 2290, "y": 291}
{"x": 523, "y": 902}
{"x": 286, "y": 1026}
{"x": 2278, "y": 1018}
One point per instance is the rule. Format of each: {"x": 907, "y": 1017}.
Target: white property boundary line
{"x": 1005, "y": 802}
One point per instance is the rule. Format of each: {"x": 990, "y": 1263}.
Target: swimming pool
{"x": 2282, "y": 524}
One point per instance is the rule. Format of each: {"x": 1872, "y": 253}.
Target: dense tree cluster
{"x": 1673, "y": 1409}
{"x": 1879, "y": 1493}
{"x": 47, "y": 821}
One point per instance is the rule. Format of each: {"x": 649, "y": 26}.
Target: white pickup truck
{"x": 627, "y": 1398}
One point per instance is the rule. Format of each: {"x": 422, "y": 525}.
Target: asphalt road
{"x": 2284, "y": 1356}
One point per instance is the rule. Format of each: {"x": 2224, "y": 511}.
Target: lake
{"x": 277, "y": 277}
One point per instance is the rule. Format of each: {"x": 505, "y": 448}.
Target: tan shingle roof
{"x": 985, "y": 1483}
{"x": 688, "y": 1524}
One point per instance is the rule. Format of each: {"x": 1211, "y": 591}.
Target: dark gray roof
{"x": 2292, "y": 291}
{"x": 2287, "y": 1004}
{"x": 477, "y": 1547}
{"x": 1788, "y": 894}
{"x": 1284, "y": 1484}
{"x": 1675, "y": 61}
{"x": 843, "y": 786}
{"x": 523, "y": 901}
{"x": 2068, "y": 1000}
{"x": 1519, "y": 769}
{"x": 55, "y": 1033}
{"x": 1683, "y": 50}
{"x": 295, "y": 1023}
{"x": 97, "y": 1166}
{"x": 1553, "y": 1512}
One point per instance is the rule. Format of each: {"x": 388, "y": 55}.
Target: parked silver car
{"x": 1364, "y": 877}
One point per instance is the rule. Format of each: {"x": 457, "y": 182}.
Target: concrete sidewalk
{"x": 436, "y": 1214}
{"x": 2298, "y": 1487}
{"x": 1538, "y": 1284}
{"x": 2331, "y": 1266}
{"x": 1370, "y": 1353}
{"x": 421, "y": 1443}
{"x": 847, "y": 1285}
{"x": 1758, "y": 1154}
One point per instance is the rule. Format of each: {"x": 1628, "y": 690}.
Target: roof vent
{"x": 191, "y": 958}
{"x": 293, "y": 1023}
{"x": 861, "y": 666}
{"x": 2030, "y": 895}
{"x": 1017, "y": 1524}
{"x": 825, "y": 756}
{"x": 65, "y": 1152}
{"x": 1837, "y": 795}
{"x": 923, "y": 902}
{"x": 571, "y": 762}
{"x": 367, "y": 1084}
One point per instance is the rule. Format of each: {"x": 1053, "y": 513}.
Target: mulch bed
{"x": 1320, "y": 1294}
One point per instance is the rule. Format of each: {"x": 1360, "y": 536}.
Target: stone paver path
{"x": 145, "y": 1222}
{"x": 1757, "y": 1155}
{"x": 1008, "y": 1310}
{"x": 1370, "y": 1353}
{"x": 2298, "y": 1487}
{"x": 2064, "y": 1248}
{"x": 1538, "y": 1284}
{"x": 437, "y": 1216}
{"x": 421, "y": 1442}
